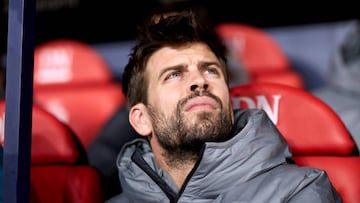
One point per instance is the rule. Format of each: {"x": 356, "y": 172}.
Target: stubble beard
{"x": 182, "y": 138}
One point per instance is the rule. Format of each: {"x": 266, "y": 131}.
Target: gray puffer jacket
{"x": 253, "y": 166}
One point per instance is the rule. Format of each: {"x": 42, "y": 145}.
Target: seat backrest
{"x": 85, "y": 109}
{"x": 315, "y": 133}
{"x": 308, "y": 124}
{"x": 290, "y": 78}
{"x": 73, "y": 82}
{"x": 343, "y": 172}
{"x": 260, "y": 55}
{"x": 255, "y": 48}
{"x": 67, "y": 61}
{"x": 59, "y": 169}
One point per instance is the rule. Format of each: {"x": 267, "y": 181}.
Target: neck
{"x": 179, "y": 172}
{"x": 177, "y": 169}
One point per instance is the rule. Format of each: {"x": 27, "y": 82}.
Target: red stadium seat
{"x": 85, "y": 109}
{"x": 289, "y": 78}
{"x": 59, "y": 169}
{"x": 66, "y": 61}
{"x": 315, "y": 133}
{"x": 260, "y": 54}
{"x": 72, "y": 81}
{"x": 344, "y": 172}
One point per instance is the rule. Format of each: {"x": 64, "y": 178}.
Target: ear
{"x": 140, "y": 120}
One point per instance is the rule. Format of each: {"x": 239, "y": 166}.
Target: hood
{"x": 345, "y": 63}
{"x": 256, "y": 147}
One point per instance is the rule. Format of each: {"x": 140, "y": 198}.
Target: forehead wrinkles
{"x": 186, "y": 55}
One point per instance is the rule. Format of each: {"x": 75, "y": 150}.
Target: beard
{"x": 181, "y": 138}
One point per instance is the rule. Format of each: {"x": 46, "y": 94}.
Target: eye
{"x": 174, "y": 74}
{"x": 213, "y": 71}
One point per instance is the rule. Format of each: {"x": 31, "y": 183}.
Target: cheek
{"x": 223, "y": 93}
{"x": 164, "y": 100}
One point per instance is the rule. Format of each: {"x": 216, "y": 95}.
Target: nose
{"x": 195, "y": 87}
{"x": 198, "y": 81}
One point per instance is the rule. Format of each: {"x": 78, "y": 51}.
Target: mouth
{"x": 201, "y": 103}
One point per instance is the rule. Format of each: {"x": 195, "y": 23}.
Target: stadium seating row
{"x": 75, "y": 94}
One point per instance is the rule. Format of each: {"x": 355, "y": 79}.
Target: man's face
{"x": 188, "y": 98}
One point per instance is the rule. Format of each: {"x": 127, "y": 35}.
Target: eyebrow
{"x": 201, "y": 65}
{"x": 208, "y": 63}
{"x": 171, "y": 68}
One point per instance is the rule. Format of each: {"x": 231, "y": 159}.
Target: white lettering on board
{"x": 260, "y": 102}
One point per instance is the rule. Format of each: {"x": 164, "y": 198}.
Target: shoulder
{"x": 309, "y": 184}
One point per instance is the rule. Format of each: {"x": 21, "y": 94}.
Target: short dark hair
{"x": 174, "y": 30}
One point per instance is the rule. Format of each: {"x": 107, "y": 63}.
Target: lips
{"x": 200, "y": 103}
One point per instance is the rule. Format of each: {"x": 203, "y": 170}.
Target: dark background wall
{"x": 95, "y": 21}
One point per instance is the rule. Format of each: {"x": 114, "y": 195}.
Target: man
{"x": 102, "y": 152}
{"x": 196, "y": 149}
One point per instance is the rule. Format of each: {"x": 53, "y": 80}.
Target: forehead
{"x": 189, "y": 54}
